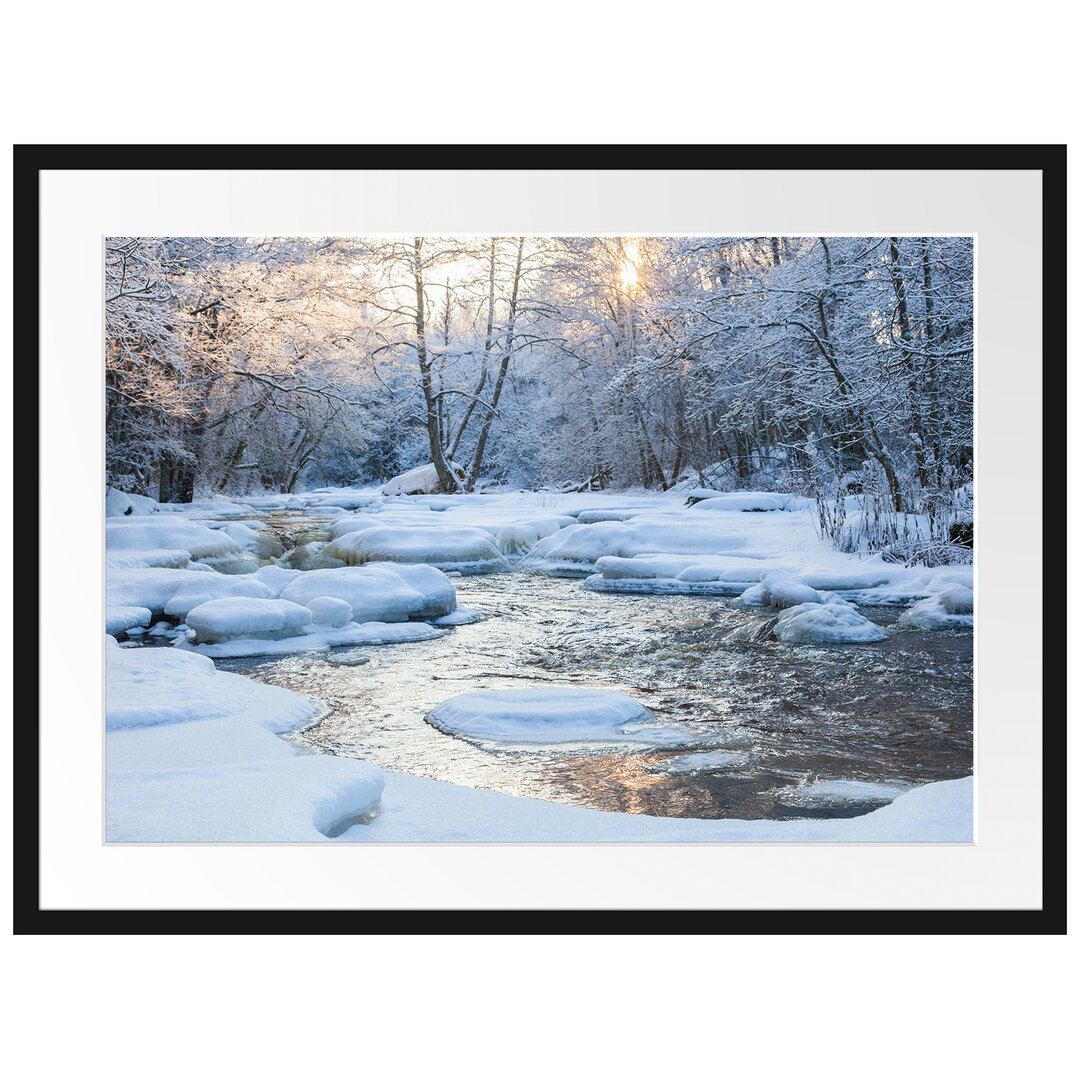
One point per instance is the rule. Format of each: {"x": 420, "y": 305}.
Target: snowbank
{"x": 192, "y": 758}
{"x": 164, "y": 532}
{"x": 415, "y": 810}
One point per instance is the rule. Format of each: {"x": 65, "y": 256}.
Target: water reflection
{"x": 897, "y": 711}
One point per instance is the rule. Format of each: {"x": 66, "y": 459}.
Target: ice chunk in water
{"x": 540, "y": 716}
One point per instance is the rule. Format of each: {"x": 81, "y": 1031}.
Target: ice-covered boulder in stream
{"x": 780, "y": 590}
{"x": 469, "y": 550}
{"x": 247, "y": 617}
{"x": 834, "y": 622}
{"x": 379, "y": 592}
{"x": 952, "y": 606}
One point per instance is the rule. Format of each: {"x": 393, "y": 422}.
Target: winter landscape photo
{"x": 422, "y": 539}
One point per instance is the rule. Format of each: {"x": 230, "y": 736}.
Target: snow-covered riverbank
{"x": 194, "y": 754}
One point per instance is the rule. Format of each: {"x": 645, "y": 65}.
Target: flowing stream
{"x": 897, "y": 712}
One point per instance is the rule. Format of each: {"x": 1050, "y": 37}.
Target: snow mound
{"x": 542, "y": 716}
{"x": 160, "y": 532}
{"x": 207, "y": 587}
{"x": 450, "y": 548}
{"x": 121, "y": 504}
{"x": 147, "y": 687}
{"x": 423, "y": 480}
{"x": 379, "y": 592}
{"x": 118, "y": 620}
{"x": 295, "y": 800}
{"x": 739, "y": 501}
{"x": 170, "y": 558}
{"x": 591, "y": 517}
{"x": 780, "y": 590}
{"x": 329, "y": 611}
{"x": 174, "y": 592}
{"x": 247, "y": 617}
{"x": 834, "y": 622}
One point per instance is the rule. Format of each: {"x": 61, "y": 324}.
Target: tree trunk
{"x": 500, "y": 378}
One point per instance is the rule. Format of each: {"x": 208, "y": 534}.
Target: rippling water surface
{"x": 896, "y": 712}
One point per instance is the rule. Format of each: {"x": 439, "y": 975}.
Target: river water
{"x": 897, "y": 712}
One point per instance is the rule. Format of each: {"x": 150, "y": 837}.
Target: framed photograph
{"x": 603, "y": 533}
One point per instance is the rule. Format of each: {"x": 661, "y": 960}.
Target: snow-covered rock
{"x": 423, "y": 480}
{"x": 952, "y": 607}
{"x": 329, "y": 611}
{"x": 121, "y": 504}
{"x": 379, "y": 592}
{"x": 119, "y": 620}
{"x": 833, "y": 622}
{"x": 174, "y": 592}
{"x": 207, "y": 587}
{"x": 247, "y": 617}
{"x": 780, "y": 590}
{"x": 447, "y": 548}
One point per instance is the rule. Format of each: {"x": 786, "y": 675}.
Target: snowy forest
{"x": 818, "y": 366}
{"x": 539, "y": 538}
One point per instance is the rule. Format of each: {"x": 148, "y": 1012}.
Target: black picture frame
{"x": 31, "y": 160}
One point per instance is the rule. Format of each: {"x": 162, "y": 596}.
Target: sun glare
{"x": 631, "y": 259}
